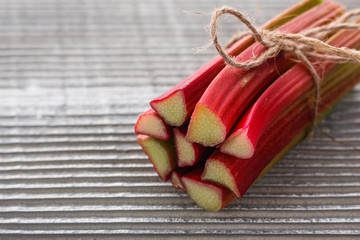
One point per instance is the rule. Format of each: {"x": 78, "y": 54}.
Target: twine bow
{"x": 300, "y": 45}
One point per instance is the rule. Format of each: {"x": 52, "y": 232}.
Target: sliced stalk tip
{"x": 238, "y": 145}
{"x": 161, "y": 154}
{"x": 205, "y": 127}
{"x": 217, "y": 172}
{"x": 184, "y": 149}
{"x": 172, "y": 108}
{"x": 149, "y": 123}
{"x": 204, "y": 195}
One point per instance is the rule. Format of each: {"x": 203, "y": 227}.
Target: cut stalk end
{"x": 161, "y": 154}
{"x": 238, "y": 145}
{"x": 176, "y": 181}
{"x": 217, "y": 172}
{"x": 184, "y": 149}
{"x": 205, "y": 127}
{"x": 172, "y": 108}
{"x": 150, "y": 123}
{"x": 205, "y": 195}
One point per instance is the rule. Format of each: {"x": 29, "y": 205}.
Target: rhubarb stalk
{"x": 286, "y": 90}
{"x": 234, "y": 89}
{"x": 176, "y": 105}
{"x": 239, "y": 174}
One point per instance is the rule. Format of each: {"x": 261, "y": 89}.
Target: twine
{"x": 300, "y": 45}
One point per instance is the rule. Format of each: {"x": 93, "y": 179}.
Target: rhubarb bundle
{"x": 218, "y": 131}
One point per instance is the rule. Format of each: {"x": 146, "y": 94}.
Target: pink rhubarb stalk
{"x": 286, "y": 90}
{"x": 234, "y": 89}
{"x": 239, "y": 174}
{"x": 213, "y": 197}
{"x": 176, "y": 105}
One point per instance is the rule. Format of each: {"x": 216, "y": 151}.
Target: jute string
{"x": 302, "y": 46}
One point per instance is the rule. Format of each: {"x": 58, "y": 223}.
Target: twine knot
{"x": 306, "y": 44}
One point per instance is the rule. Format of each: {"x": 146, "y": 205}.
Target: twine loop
{"x": 306, "y": 44}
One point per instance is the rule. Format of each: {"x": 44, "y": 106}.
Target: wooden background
{"x": 75, "y": 74}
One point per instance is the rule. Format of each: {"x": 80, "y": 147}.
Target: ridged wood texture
{"x": 74, "y": 75}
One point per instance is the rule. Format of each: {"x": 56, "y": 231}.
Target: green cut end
{"x": 176, "y": 182}
{"x": 216, "y": 172}
{"x": 238, "y": 145}
{"x": 161, "y": 154}
{"x": 185, "y": 150}
{"x": 172, "y": 109}
{"x": 205, "y": 127}
{"x": 151, "y": 125}
{"x": 204, "y": 195}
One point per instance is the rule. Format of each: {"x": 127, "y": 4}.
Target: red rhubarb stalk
{"x": 234, "y": 89}
{"x": 286, "y": 90}
{"x": 150, "y": 123}
{"x": 239, "y": 174}
{"x": 176, "y": 105}
{"x": 161, "y": 154}
{"x": 188, "y": 154}
{"x": 213, "y": 197}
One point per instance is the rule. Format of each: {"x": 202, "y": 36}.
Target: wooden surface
{"x": 74, "y": 77}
